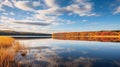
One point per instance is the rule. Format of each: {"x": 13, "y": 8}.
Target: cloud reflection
{"x": 69, "y": 54}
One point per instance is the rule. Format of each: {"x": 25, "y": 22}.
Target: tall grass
{"x": 6, "y": 42}
{"x": 8, "y": 47}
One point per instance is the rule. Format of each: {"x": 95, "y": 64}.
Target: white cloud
{"x": 52, "y": 20}
{"x": 36, "y": 3}
{"x": 6, "y": 19}
{"x": 23, "y": 5}
{"x": 0, "y": 5}
{"x": 42, "y": 17}
{"x": 50, "y": 14}
{"x": 51, "y": 3}
{"x": 1, "y": 9}
{"x": 3, "y": 18}
{"x": 50, "y": 11}
{"x": 4, "y": 13}
{"x": 81, "y": 7}
{"x": 12, "y": 13}
{"x": 84, "y": 20}
{"x": 7, "y": 3}
{"x": 7, "y": 23}
{"x": 117, "y": 10}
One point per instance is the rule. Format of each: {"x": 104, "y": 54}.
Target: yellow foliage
{"x": 6, "y": 41}
{"x": 6, "y": 57}
{"x": 8, "y": 47}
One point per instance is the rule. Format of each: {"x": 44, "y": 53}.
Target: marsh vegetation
{"x": 8, "y": 49}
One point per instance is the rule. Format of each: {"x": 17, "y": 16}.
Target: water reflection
{"x": 101, "y": 39}
{"x": 62, "y": 53}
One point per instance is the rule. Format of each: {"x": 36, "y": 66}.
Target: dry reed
{"x": 8, "y": 47}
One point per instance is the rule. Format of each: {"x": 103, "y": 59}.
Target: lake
{"x": 50, "y": 52}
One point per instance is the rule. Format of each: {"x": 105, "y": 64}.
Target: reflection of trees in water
{"x": 103, "y": 36}
{"x": 101, "y": 39}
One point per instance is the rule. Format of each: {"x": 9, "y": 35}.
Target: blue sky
{"x": 49, "y": 16}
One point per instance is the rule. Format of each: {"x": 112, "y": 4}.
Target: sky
{"x": 48, "y": 16}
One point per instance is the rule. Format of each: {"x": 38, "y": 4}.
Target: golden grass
{"x": 8, "y": 47}
{"x": 6, "y": 57}
{"x": 6, "y": 42}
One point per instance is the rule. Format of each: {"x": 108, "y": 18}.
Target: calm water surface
{"x": 69, "y": 53}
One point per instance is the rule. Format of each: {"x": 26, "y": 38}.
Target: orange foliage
{"x": 6, "y": 41}
{"x": 8, "y": 47}
{"x": 104, "y": 36}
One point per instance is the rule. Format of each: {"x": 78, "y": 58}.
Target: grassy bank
{"x": 8, "y": 48}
